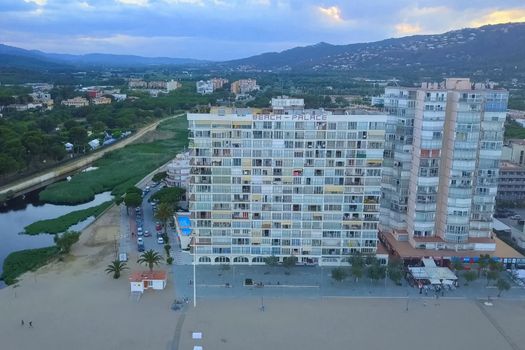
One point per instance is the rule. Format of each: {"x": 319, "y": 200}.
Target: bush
{"x": 339, "y": 274}
{"x": 169, "y": 260}
{"x": 22, "y": 261}
{"x": 66, "y": 240}
{"x": 290, "y": 261}
{"x": 62, "y": 223}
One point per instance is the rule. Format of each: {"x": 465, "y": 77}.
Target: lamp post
{"x": 194, "y": 273}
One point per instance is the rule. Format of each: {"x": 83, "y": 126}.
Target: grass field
{"x": 62, "y": 223}
{"x": 121, "y": 169}
{"x": 22, "y": 261}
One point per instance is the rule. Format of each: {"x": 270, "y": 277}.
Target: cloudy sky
{"x": 226, "y": 29}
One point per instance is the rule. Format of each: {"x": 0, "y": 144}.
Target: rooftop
{"x": 147, "y": 276}
{"x": 405, "y": 250}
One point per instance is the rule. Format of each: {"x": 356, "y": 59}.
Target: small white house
{"x": 141, "y": 281}
{"x": 94, "y": 144}
{"x": 69, "y": 147}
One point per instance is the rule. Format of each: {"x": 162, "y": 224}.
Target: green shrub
{"x": 62, "y": 223}
{"x": 22, "y": 261}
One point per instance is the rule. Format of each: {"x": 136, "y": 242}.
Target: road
{"x": 40, "y": 179}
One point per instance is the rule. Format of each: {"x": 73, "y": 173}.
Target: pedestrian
{"x": 22, "y": 323}
{"x": 31, "y": 324}
{"x": 191, "y": 282}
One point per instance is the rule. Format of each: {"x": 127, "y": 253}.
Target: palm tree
{"x": 116, "y": 267}
{"x": 150, "y": 258}
{"x": 164, "y": 213}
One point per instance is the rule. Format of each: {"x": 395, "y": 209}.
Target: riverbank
{"x": 123, "y": 168}
{"x": 64, "y": 222}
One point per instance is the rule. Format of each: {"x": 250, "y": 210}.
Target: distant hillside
{"x": 36, "y": 58}
{"x": 470, "y": 51}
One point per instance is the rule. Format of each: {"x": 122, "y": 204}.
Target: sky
{"x": 229, "y": 29}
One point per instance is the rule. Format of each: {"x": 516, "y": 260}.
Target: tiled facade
{"x": 293, "y": 182}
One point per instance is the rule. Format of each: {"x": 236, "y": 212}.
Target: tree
{"x": 289, "y": 261}
{"x": 134, "y": 189}
{"x": 339, "y": 274}
{"x": 457, "y": 264}
{"x": 376, "y": 271}
{"x": 65, "y": 240}
{"x": 395, "y": 270}
{"x": 78, "y": 136}
{"x": 483, "y": 262}
{"x": 492, "y": 275}
{"x": 163, "y": 214}
{"x": 502, "y": 285}
{"x": 132, "y": 200}
{"x": 169, "y": 195}
{"x": 169, "y": 260}
{"x": 470, "y": 276}
{"x": 357, "y": 263}
{"x": 271, "y": 260}
{"x": 167, "y": 248}
{"x": 116, "y": 267}
{"x": 150, "y": 258}
{"x": 159, "y": 176}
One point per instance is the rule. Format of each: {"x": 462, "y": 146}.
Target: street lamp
{"x": 194, "y": 273}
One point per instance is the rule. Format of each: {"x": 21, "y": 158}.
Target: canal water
{"x": 22, "y": 211}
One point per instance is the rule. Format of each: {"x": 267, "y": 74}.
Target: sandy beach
{"x": 74, "y": 304}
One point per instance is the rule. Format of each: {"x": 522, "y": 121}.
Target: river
{"x": 22, "y": 211}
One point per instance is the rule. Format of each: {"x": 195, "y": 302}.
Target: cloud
{"x": 37, "y": 2}
{"x": 85, "y": 5}
{"x": 407, "y": 28}
{"x": 500, "y": 16}
{"x": 134, "y": 2}
{"x": 332, "y": 12}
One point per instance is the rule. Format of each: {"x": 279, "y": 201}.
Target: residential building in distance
{"x": 244, "y": 86}
{"x": 102, "y": 100}
{"x": 514, "y": 151}
{"x": 440, "y": 175}
{"x": 291, "y": 181}
{"x": 76, "y": 102}
{"x": 137, "y": 84}
{"x": 163, "y": 85}
{"x": 218, "y": 83}
{"x": 511, "y": 187}
{"x": 178, "y": 171}
{"x": 204, "y": 87}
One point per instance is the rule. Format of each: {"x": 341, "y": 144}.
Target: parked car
{"x": 158, "y": 226}
{"x": 139, "y": 231}
{"x": 140, "y": 240}
{"x": 147, "y": 233}
{"x": 515, "y": 217}
{"x": 160, "y": 240}
{"x": 159, "y": 234}
{"x": 140, "y": 247}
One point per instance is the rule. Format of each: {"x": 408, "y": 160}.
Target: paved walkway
{"x": 310, "y": 282}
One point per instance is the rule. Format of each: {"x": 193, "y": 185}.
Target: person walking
{"x": 31, "y": 324}
{"x": 22, "y": 323}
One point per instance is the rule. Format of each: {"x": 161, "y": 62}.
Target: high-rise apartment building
{"x": 289, "y": 182}
{"x": 440, "y": 174}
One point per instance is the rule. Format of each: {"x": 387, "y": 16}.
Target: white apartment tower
{"x": 288, "y": 182}
{"x": 440, "y": 174}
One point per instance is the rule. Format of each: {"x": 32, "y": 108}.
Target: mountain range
{"x": 15, "y": 57}
{"x": 465, "y": 51}
{"x": 496, "y": 49}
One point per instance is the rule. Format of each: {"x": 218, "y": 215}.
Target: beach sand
{"x": 339, "y": 323}
{"x": 75, "y": 305}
